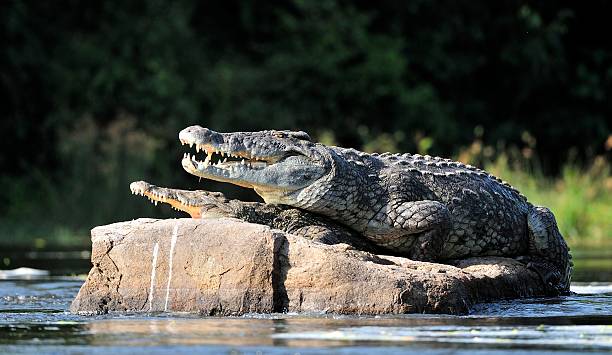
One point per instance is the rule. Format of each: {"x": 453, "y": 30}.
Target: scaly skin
{"x": 426, "y": 208}
{"x": 206, "y": 204}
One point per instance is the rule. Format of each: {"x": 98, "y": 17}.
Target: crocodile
{"x": 422, "y": 207}
{"x": 207, "y": 204}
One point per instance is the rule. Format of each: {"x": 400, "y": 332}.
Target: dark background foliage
{"x": 95, "y": 92}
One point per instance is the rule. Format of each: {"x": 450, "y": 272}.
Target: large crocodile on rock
{"x": 425, "y": 208}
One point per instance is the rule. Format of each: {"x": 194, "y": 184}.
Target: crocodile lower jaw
{"x": 144, "y": 189}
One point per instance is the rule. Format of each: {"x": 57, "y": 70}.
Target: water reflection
{"x": 323, "y": 332}
{"x": 586, "y": 337}
{"x": 140, "y": 332}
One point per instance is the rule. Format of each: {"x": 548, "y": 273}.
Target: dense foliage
{"x": 95, "y": 92}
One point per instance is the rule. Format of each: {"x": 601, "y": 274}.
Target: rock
{"x": 229, "y": 267}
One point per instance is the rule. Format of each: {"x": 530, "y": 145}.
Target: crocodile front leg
{"x": 416, "y": 229}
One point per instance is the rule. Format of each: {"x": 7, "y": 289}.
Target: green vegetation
{"x": 95, "y": 93}
{"x": 580, "y": 197}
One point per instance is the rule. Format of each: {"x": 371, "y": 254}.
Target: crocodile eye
{"x": 291, "y": 134}
{"x": 301, "y": 135}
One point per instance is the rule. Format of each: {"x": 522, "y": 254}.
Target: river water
{"x": 34, "y": 319}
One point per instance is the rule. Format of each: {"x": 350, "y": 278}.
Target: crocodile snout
{"x": 200, "y": 135}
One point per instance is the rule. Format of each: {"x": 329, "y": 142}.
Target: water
{"x": 34, "y": 319}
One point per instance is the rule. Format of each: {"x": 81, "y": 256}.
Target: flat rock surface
{"x": 229, "y": 267}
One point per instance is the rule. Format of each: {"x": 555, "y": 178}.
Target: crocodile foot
{"x": 549, "y": 274}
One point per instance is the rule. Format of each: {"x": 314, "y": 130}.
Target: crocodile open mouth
{"x": 274, "y": 163}
{"x": 220, "y": 163}
{"x": 175, "y": 198}
{"x": 221, "y": 160}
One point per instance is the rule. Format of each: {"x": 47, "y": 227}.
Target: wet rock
{"x": 229, "y": 267}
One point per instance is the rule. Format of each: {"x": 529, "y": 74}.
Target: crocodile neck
{"x": 352, "y": 193}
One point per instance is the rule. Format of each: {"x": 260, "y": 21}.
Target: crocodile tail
{"x": 547, "y": 244}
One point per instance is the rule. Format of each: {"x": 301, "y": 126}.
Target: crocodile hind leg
{"x": 548, "y": 253}
{"x": 417, "y": 230}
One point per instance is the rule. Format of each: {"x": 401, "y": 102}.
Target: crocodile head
{"x": 278, "y": 165}
{"x": 199, "y": 203}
